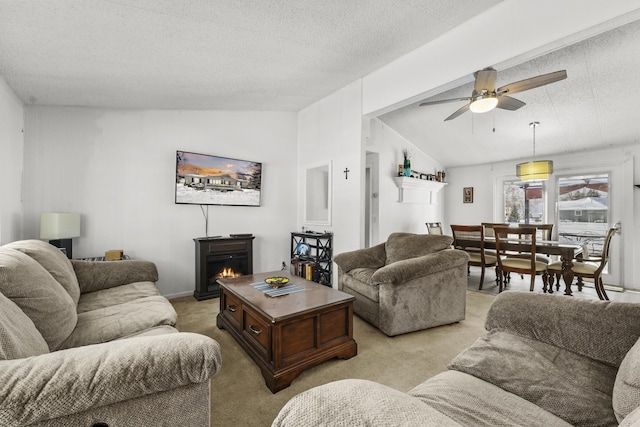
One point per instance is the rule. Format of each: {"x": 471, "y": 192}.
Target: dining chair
{"x": 477, "y": 256}
{"x": 434, "y": 227}
{"x": 518, "y": 262}
{"x": 488, "y": 227}
{"x": 586, "y": 267}
{"x": 488, "y": 232}
{"x": 543, "y": 232}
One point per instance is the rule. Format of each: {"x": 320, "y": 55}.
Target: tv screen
{"x": 203, "y": 179}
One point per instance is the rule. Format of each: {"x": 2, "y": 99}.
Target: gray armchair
{"x": 409, "y": 283}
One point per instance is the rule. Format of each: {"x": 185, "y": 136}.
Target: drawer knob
{"x": 231, "y": 308}
{"x": 254, "y": 330}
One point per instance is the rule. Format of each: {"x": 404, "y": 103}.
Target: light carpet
{"x": 239, "y": 396}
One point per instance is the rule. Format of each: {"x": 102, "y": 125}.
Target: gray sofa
{"x": 409, "y": 283}
{"x": 547, "y": 360}
{"x": 83, "y": 343}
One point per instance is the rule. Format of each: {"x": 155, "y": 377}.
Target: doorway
{"x": 371, "y": 200}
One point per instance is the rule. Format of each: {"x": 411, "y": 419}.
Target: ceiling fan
{"x": 485, "y": 97}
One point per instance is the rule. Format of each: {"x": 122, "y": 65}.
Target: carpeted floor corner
{"x": 241, "y": 398}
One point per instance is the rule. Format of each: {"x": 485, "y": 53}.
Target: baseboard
{"x": 178, "y": 295}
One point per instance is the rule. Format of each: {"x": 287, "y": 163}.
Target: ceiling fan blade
{"x": 458, "y": 112}
{"x": 485, "y": 80}
{"x": 445, "y": 100}
{"x": 508, "y": 103}
{"x": 533, "y": 82}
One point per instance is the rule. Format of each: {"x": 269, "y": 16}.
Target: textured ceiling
{"x": 287, "y": 54}
{"x": 595, "y": 107}
{"x": 205, "y": 54}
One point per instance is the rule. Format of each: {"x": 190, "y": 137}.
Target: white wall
{"x": 330, "y": 130}
{"x": 619, "y": 162}
{"x": 11, "y": 147}
{"x": 117, "y": 168}
{"x": 395, "y": 216}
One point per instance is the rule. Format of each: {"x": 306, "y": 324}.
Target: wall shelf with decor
{"x": 311, "y": 256}
{"x": 414, "y": 190}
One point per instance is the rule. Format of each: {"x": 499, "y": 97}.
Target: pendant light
{"x": 535, "y": 170}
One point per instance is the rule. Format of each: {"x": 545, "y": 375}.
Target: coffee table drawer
{"x": 257, "y": 331}
{"x": 232, "y": 308}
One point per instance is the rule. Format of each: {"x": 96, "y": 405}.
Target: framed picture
{"x": 467, "y": 195}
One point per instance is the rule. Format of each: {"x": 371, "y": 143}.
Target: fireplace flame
{"x": 228, "y": 272}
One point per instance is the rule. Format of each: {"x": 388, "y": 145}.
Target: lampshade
{"x": 54, "y": 226}
{"x": 534, "y": 170}
{"x": 483, "y": 104}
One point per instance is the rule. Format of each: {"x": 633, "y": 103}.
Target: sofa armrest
{"x": 96, "y": 275}
{"x": 373, "y": 257}
{"x": 408, "y": 269}
{"x": 601, "y": 330}
{"x": 74, "y": 380}
{"x": 358, "y": 403}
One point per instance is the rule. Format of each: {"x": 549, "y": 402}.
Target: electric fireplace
{"x": 218, "y": 257}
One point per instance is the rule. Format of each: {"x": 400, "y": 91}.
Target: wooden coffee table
{"x": 287, "y": 334}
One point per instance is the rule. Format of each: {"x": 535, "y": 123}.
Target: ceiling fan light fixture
{"x": 483, "y": 104}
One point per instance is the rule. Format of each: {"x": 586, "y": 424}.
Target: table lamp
{"x": 60, "y": 228}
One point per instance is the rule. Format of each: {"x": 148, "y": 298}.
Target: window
{"x": 524, "y": 202}
{"x": 583, "y": 210}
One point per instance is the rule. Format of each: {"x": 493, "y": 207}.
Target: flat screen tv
{"x": 203, "y": 179}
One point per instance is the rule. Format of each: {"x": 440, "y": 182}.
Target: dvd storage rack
{"x": 311, "y": 256}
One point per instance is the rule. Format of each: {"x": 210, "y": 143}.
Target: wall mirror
{"x": 317, "y": 207}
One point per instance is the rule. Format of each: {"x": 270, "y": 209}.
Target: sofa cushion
{"x": 613, "y": 326}
{"x": 121, "y": 320}
{"x": 573, "y": 387}
{"x": 19, "y": 337}
{"x": 626, "y": 390}
{"x": 359, "y": 279}
{"x": 39, "y": 295}
{"x": 474, "y": 402}
{"x": 401, "y": 246}
{"x": 54, "y": 261}
{"x": 113, "y": 296}
{"x": 156, "y": 330}
{"x": 96, "y": 275}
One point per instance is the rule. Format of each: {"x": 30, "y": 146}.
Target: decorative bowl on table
{"x": 276, "y": 282}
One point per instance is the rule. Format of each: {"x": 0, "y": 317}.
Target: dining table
{"x": 566, "y": 251}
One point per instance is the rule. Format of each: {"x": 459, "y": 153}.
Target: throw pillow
{"x": 401, "y": 246}
{"x": 38, "y": 294}
{"x": 626, "y": 390}
{"x": 54, "y": 261}
{"x": 18, "y": 335}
